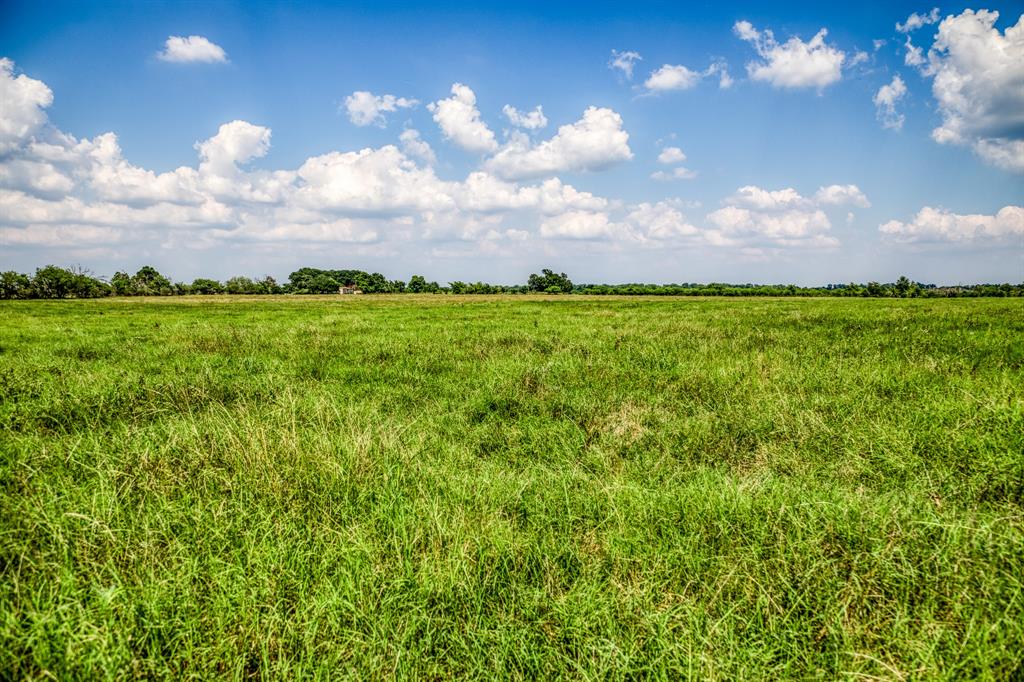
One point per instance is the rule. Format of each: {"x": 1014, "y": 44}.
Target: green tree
{"x": 241, "y": 285}
{"x": 149, "y": 282}
{"x": 417, "y": 284}
{"x": 549, "y": 282}
{"x": 122, "y": 284}
{"x": 206, "y": 286}
{"x": 15, "y": 285}
{"x": 902, "y": 286}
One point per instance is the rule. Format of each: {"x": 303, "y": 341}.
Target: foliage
{"x": 206, "y": 286}
{"x": 15, "y": 285}
{"x": 431, "y": 488}
{"x": 55, "y": 282}
{"x": 549, "y": 282}
{"x": 61, "y": 283}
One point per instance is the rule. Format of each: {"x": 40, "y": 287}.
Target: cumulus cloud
{"x": 594, "y": 142}
{"x": 721, "y": 69}
{"x": 978, "y": 83}
{"x": 795, "y": 63}
{"x": 624, "y": 61}
{"x": 415, "y": 146}
{"x": 364, "y": 108}
{"x": 677, "y": 77}
{"x": 735, "y": 226}
{"x": 940, "y": 225}
{"x": 677, "y": 173}
{"x": 916, "y": 21}
{"x": 859, "y": 57}
{"x": 580, "y": 225}
{"x": 886, "y": 99}
{"x": 754, "y": 216}
{"x": 460, "y": 121}
{"x": 59, "y": 190}
{"x": 22, "y": 101}
{"x": 191, "y": 49}
{"x": 841, "y": 195}
{"x": 56, "y": 189}
{"x": 672, "y": 77}
{"x": 530, "y": 120}
{"x": 660, "y": 221}
{"x": 670, "y": 155}
{"x": 913, "y": 56}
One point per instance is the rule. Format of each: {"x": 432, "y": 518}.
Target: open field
{"x": 433, "y": 487}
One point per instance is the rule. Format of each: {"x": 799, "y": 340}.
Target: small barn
{"x": 349, "y": 290}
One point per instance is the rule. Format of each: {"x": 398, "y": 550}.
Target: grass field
{"x": 439, "y": 487}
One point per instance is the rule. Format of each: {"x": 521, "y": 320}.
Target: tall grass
{"x": 438, "y": 487}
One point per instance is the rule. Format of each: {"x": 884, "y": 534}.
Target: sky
{"x": 809, "y": 143}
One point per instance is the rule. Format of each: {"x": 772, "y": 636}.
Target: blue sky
{"x": 805, "y": 168}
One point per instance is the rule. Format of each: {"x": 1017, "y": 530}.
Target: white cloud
{"x": 660, "y": 221}
{"x": 978, "y": 84}
{"x": 751, "y": 196}
{"x": 22, "y": 101}
{"x": 459, "y": 120}
{"x": 677, "y": 77}
{"x": 624, "y": 62}
{"x": 735, "y": 226}
{"x": 859, "y": 57}
{"x": 193, "y": 49}
{"x": 671, "y": 155}
{"x": 916, "y": 21}
{"x": 677, "y": 173}
{"x": 59, "y": 190}
{"x": 579, "y": 225}
{"x": 720, "y": 68}
{"x": 878, "y": 43}
{"x": 594, "y": 142}
{"x": 235, "y": 143}
{"x": 415, "y": 146}
{"x": 939, "y": 225}
{"x": 754, "y": 217}
{"x": 793, "y": 64}
{"x": 885, "y": 103}
{"x": 914, "y": 55}
{"x": 530, "y": 120}
{"x": 364, "y": 108}
{"x": 672, "y": 77}
{"x": 841, "y": 195}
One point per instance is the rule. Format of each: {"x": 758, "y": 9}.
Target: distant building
{"x": 349, "y": 290}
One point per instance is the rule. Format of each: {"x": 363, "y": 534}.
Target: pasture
{"x": 435, "y": 487}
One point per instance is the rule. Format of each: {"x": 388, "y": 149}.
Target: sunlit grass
{"x": 436, "y": 487}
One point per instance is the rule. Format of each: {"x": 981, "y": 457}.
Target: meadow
{"x": 437, "y": 487}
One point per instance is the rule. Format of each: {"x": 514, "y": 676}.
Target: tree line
{"x": 57, "y": 282}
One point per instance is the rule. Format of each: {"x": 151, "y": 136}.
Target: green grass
{"x": 441, "y": 487}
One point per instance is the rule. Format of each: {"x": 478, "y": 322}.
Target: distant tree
{"x": 122, "y": 285}
{"x": 206, "y": 286}
{"x": 457, "y": 287}
{"x": 241, "y": 285}
{"x": 268, "y": 285}
{"x": 322, "y": 284}
{"x": 874, "y": 289}
{"x": 902, "y": 286}
{"x": 417, "y": 284}
{"x": 549, "y": 282}
{"x": 15, "y": 285}
{"x": 148, "y": 282}
{"x": 54, "y": 282}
